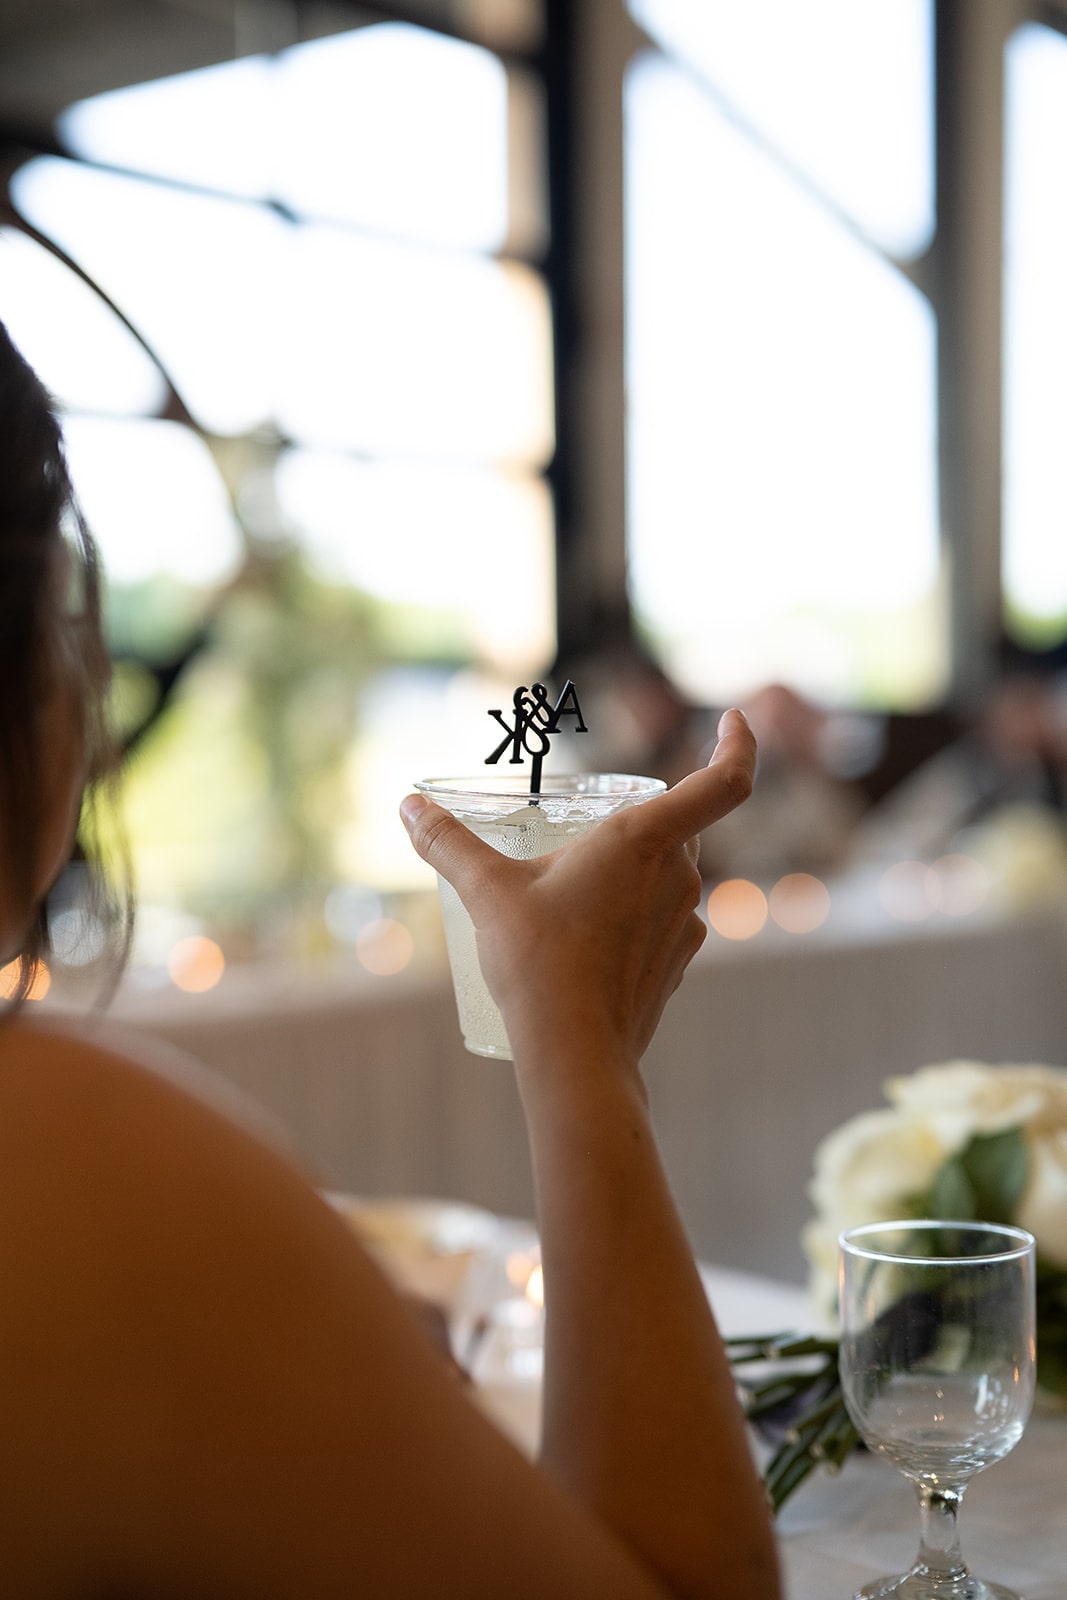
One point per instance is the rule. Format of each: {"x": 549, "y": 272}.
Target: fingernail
{"x": 412, "y": 808}
{"x": 731, "y": 712}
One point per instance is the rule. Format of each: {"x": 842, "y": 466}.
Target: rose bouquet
{"x": 957, "y": 1141}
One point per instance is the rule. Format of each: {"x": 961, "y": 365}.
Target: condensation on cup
{"x": 518, "y": 823}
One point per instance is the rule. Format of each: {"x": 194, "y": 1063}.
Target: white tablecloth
{"x": 841, "y": 1531}
{"x": 838, "y": 1533}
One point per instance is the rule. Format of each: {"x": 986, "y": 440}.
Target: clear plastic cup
{"x": 502, "y": 810}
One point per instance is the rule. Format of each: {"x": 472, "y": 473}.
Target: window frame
{"x": 581, "y": 60}
{"x": 961, "y": 274}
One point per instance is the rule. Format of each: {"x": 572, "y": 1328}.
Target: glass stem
{"x": 939, "y": 1549}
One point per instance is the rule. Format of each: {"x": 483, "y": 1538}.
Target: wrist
{"x": 577, "y": 1055}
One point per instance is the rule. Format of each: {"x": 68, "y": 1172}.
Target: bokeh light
{"x": 799, "y": 902}
{"x": 908, "y": 890}
{"x": 196, "y": 964}
{"x": 962, "y": 884}
{"x": 737, "y": 909}
{"x": 40, "y": 983}
{"x": 535, "y": 1286}
{"x": 519, "y": 1268}
{"x": 349, "y": 909}
{"x": 385, "y": 947}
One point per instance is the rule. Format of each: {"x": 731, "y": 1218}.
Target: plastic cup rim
{"x": 561, "y": 786}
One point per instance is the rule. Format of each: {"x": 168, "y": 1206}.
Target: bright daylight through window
{"x": 315, "y": 530}
{"x": 1035, "y": 345}
{"x": 784, "y": 517}
{"x": 312, "y": 409}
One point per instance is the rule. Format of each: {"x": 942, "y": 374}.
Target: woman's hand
{"x": 595, "y": 936}
{"x": 581, "y": 950}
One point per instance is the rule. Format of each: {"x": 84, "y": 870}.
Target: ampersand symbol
{"x": 535, "y": 718}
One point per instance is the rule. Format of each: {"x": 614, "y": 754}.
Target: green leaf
{"x": 951, "y": 1195}
{"x": 983, "y": 1182}
{"x": 1051, "y": 1292}
{"x": 997, "y": 1165}
{"x": 1052, "y": 1366}
{"x": 1052, "y": 1328}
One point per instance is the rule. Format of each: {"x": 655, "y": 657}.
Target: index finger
{"x": 719, "y": 788}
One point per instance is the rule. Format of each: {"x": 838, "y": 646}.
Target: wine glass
{"x": 937, "y": 1368}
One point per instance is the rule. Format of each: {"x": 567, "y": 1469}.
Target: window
{"x": 1035, "y": 345}
{"x": 845, "y": 412}
{"x": 782, "y": 362}
{"x": 315, "y": 418}
{"x": 311, "y": 439}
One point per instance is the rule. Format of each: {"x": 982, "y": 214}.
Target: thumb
{"x": 465, "y": 861}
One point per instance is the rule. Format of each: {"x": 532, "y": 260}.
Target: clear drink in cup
{"x": 502, "y": 810}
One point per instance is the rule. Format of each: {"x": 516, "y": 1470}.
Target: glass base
{"x": 923, "y": 1586}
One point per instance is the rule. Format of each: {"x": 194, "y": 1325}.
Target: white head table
{"x": 839, "y": 1532}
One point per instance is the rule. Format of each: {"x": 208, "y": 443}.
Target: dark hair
{"x": 48, "y": 605}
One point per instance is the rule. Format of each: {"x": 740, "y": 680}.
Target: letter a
{"x": 567, "y": 706}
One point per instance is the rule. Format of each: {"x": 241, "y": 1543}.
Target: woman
{"x": 206, "y": 1387}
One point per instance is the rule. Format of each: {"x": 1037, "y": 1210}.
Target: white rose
{"x": 965, "y": 1098}
{"x": 873, "y": 1161}
{"x": 868, "y": 1169}
{"x": 1043, "y": 1208}
{"x": 865, "y": 1171}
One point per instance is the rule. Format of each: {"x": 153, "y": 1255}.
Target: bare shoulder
{"x": 178, "y": 1306}
{"x": 208, "y": 1385}
{"x": 115, "y": 1147}
{"x": 131, "y": 1190}
{"x": 131, "y": 1159}
{"x": 41, "y": 1057}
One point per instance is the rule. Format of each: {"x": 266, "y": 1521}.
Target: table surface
{"x": 838, "y": 1533}
{"x": 843, "y": 1530}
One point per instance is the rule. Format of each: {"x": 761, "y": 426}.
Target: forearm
{"x": 581, "y": 950}
{"x": 641, "y": 1419}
